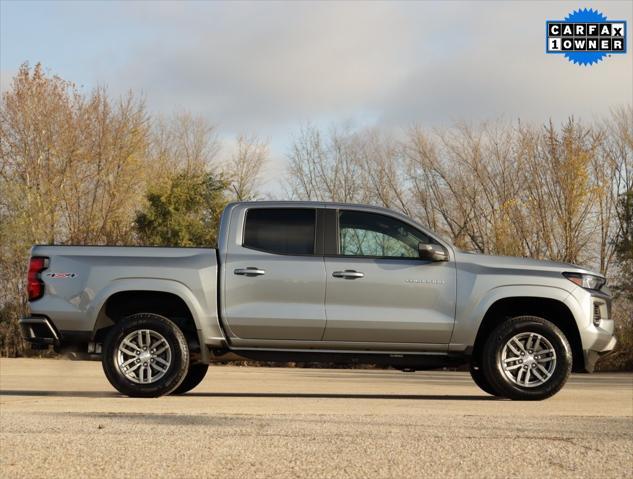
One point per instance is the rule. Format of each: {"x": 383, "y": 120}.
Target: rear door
{"x": 379, "y": 290}
{"x": 274, "y": 280}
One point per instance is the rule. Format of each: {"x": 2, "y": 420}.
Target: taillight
{"x": 35, "y": 286}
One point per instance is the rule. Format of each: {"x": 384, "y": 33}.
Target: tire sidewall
{"x": 492, "y": 362}
{"x": 195, "y": 375}
{"x": 174, "y": 337}
{"x": 479, "y": 378}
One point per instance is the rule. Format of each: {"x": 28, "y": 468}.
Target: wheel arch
{"x": 167, "y": 298}
{"x": 553, "y": 310}
{"x": 124, "y": 303}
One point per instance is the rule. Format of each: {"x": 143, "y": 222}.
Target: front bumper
{"x": 598, "y": 337}
{"x": 602, "y": 343}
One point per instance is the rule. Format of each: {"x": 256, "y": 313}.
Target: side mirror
{"x": 432, "y": 252}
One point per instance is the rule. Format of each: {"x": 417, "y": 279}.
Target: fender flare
{"x": 206, "y": 322}
{"x": 469, "y": 319}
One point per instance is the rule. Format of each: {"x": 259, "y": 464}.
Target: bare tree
{"x": 327, "y": 168}
{"x": 245, "y": 166}
{"x": 382, "y": 162}
{"x": 183, "y": 143}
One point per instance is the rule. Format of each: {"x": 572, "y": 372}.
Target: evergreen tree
{"x": 184, "y": 212}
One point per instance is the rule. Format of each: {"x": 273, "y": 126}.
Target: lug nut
{"x": 525, "y": 366}
{"x": 520, "y": 361}
{"x": 138, "y": 360}
{"x": 522, "y": 353}
{"x": 533, "y": 365}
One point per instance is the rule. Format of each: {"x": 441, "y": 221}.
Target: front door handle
{"x": 348, "y": 274}
{"x": 250, "y": 271}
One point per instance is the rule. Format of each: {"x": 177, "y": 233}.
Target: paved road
{"x": 62, "y": 419}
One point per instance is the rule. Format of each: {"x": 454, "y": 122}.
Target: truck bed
{"x": 79, "y": 279}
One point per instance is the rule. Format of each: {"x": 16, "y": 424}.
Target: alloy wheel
{"x": 143, "y": 356}
{"x": 528, "y": 359}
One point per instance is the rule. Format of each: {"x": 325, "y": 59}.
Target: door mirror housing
{"x": 432, "y": 252}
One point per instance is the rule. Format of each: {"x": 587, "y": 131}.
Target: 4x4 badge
{"x": 61, "y": 275}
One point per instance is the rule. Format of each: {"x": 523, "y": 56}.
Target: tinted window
{"x": 280, "y": 230}
{"x": 370, "y": 234}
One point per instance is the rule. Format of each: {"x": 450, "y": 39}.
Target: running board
{"x": 398, "y": 360}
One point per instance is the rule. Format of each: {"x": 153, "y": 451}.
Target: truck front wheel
{"x": 527, "y": 358}
{"x": 145, "y": 355}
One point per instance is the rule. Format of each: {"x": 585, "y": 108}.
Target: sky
{"x": 267, "y": 68}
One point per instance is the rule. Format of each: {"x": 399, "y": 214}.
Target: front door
{"x": 274, "y": 284}
{"x": 379, "y": 290}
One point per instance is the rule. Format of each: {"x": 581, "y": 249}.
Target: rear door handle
{"x": 250, "y": 271}
{"x": 348, "y": 274}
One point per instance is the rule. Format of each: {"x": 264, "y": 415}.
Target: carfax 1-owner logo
{"x": 585, "y": 37}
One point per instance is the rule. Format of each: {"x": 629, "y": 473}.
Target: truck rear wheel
{"x": 527, "y": 358}
{"x": 195, "y": 375}
{"x": 145, "y": 355}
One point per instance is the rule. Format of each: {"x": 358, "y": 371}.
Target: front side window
{"x": 376, "y": 235}
{"x": 280, "y": 230}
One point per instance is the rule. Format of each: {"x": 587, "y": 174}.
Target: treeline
{"x": 89, "y": 169}
{"x": 85, "y": 168}
{"x": 498, "y": 188}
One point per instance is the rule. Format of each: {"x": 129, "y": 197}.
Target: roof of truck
{"x": 316, "y": 204}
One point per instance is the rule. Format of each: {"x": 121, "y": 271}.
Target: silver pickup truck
{"x": 326, "y": 282}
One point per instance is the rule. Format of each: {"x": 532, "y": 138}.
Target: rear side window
{"x": 281, "y": 230}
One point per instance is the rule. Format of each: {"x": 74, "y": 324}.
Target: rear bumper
{"x": 39, "y": 331}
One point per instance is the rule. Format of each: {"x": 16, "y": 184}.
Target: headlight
{"x": 587, "y": 281}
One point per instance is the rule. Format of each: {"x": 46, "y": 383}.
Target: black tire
{"x": 477, "y": 373}
{"x": 175, "y": 372}
{"x": 492, "y": 359}
{"x": 194, "y": 376}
